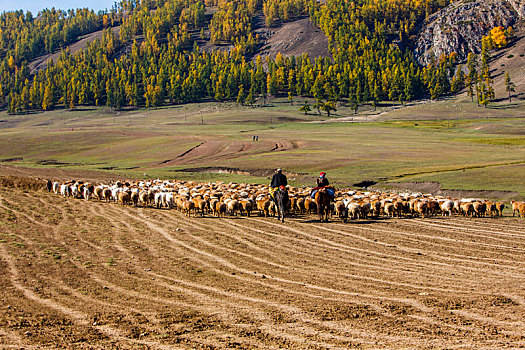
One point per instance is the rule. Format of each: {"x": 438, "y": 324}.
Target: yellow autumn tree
{"x": 498, "y": 38}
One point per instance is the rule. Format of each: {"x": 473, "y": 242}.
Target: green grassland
{"x": 463, "y": 147}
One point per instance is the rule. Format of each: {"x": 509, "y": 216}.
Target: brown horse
{"x": 322, "y": 199}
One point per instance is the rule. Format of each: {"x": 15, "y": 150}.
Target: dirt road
{"x": 90, "y": 274}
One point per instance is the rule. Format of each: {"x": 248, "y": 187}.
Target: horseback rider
{"x": 278, "y": 180}
{"x": 322, "y": 182}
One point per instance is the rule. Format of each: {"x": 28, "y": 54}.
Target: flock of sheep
{"x": 221, "y": 199}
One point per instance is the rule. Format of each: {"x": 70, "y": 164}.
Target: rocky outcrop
{"x": 519, "y": 6}
{"x": 460, "y": 27}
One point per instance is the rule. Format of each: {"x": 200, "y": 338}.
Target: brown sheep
{"x": 124, "y": 198}
{"x": 106, "y": 194}
{"x": 200, "y": 205}
{"x": 310, "y": 206}
{"x": 212, "y": 205}
{"x": 376, "y": 208}
{"x": 144, "y": 198}
{"x": 135, "y": 198}
{"x": 422, "y": 208}
{"x": 187, "y": 207}
{"x": 467, "y": 209}
{"x": 246, "y": 206}
{"x": 479, "y": 209}
{"x": 340, "y": 210}
{"x": 515, "y": 207}
{"x": 299, "y": 204}
{"x": 492, "y": 210}
{"x": 389, "y": 209}
{"x": 99, "y": 192}
{"x": 399, "y": 208}
{"x": 521, "y": 210}
{"x": 499, "y": 208}
{"x": 220, "y": 209}
{"x": 433, "y": 207}
{"x": 263, "y": 205}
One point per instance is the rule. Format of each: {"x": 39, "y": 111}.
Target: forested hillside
{"x": 157, "y": 58}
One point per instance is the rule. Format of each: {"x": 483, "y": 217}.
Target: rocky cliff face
{"x": 460, "y": 27}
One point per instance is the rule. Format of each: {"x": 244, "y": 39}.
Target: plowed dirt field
{"x": 76, "y": 274}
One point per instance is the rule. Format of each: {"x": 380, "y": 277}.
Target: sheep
{"x": 499, "y": 208}
{"x": 354, "y": 210}
{"x": 515, "y": 207}
{"x": 106, "y": 194}
{"x": 212, "y": 203}
{"x": 310, "y": 206}
{"x": 144, "y": 198}
{"x": 99, "y": 192}
{"x": 124, "y": 197}
{"x": 521, "y": 210}
{"x": 340, "y": 210}
{"x": 492, "y": 210}
{"x": 56, "y": 187}
{"x": 389, "y": 209}
{"x": 232, "y": 206}
{"x": 376, "y": 208}
{"x": 263, "y": 205}
{"x": 187, "y": 207}
{"x": 200, "y": 205}
{"x": 134, "y": 197}
{"x": 169, "y": 200}
{"x": 422, "y": 208}
{"x": 220, "y": 209}
{"x": 299, "y": 204}
{"x": 467, "y": 209}
{"x": 480, "y": 209}
{"x": 246, "y": 206}
{"x": 87, "y": 193}
{"x": 447, "y": 207}
{"x": 433, "y": 207}
{"x": 64, "y": 190}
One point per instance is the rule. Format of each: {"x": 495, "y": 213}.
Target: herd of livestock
{"x": 222, "y": 199}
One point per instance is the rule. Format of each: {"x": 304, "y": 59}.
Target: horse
{"x": 281, "y": 201}
{"x": 322, "y": 199}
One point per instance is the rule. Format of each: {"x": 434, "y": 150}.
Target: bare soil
{"x": 98, "y": 275}
{"x": 294, "y": 39}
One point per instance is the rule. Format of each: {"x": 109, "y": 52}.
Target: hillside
{"x": 179, "y": 51}
{"x": 40, "y": 63}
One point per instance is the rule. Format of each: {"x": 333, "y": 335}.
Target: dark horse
{"x": 281, "y": 200}
{"x": 322, "y": 199}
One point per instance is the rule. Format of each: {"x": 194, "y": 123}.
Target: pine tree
{"x": 305, "y": 108}
{"x": 509, "y": 86}
{"x": 472, "y": 77}
{"x": 328, "y": 107}
{"x": 48, "y": 101}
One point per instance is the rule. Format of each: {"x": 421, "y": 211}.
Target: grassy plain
{"x": 454, "y": 143}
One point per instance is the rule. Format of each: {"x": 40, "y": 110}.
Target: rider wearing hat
{"x": 278, "y": 180}
{"x": 322, "y": 181}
